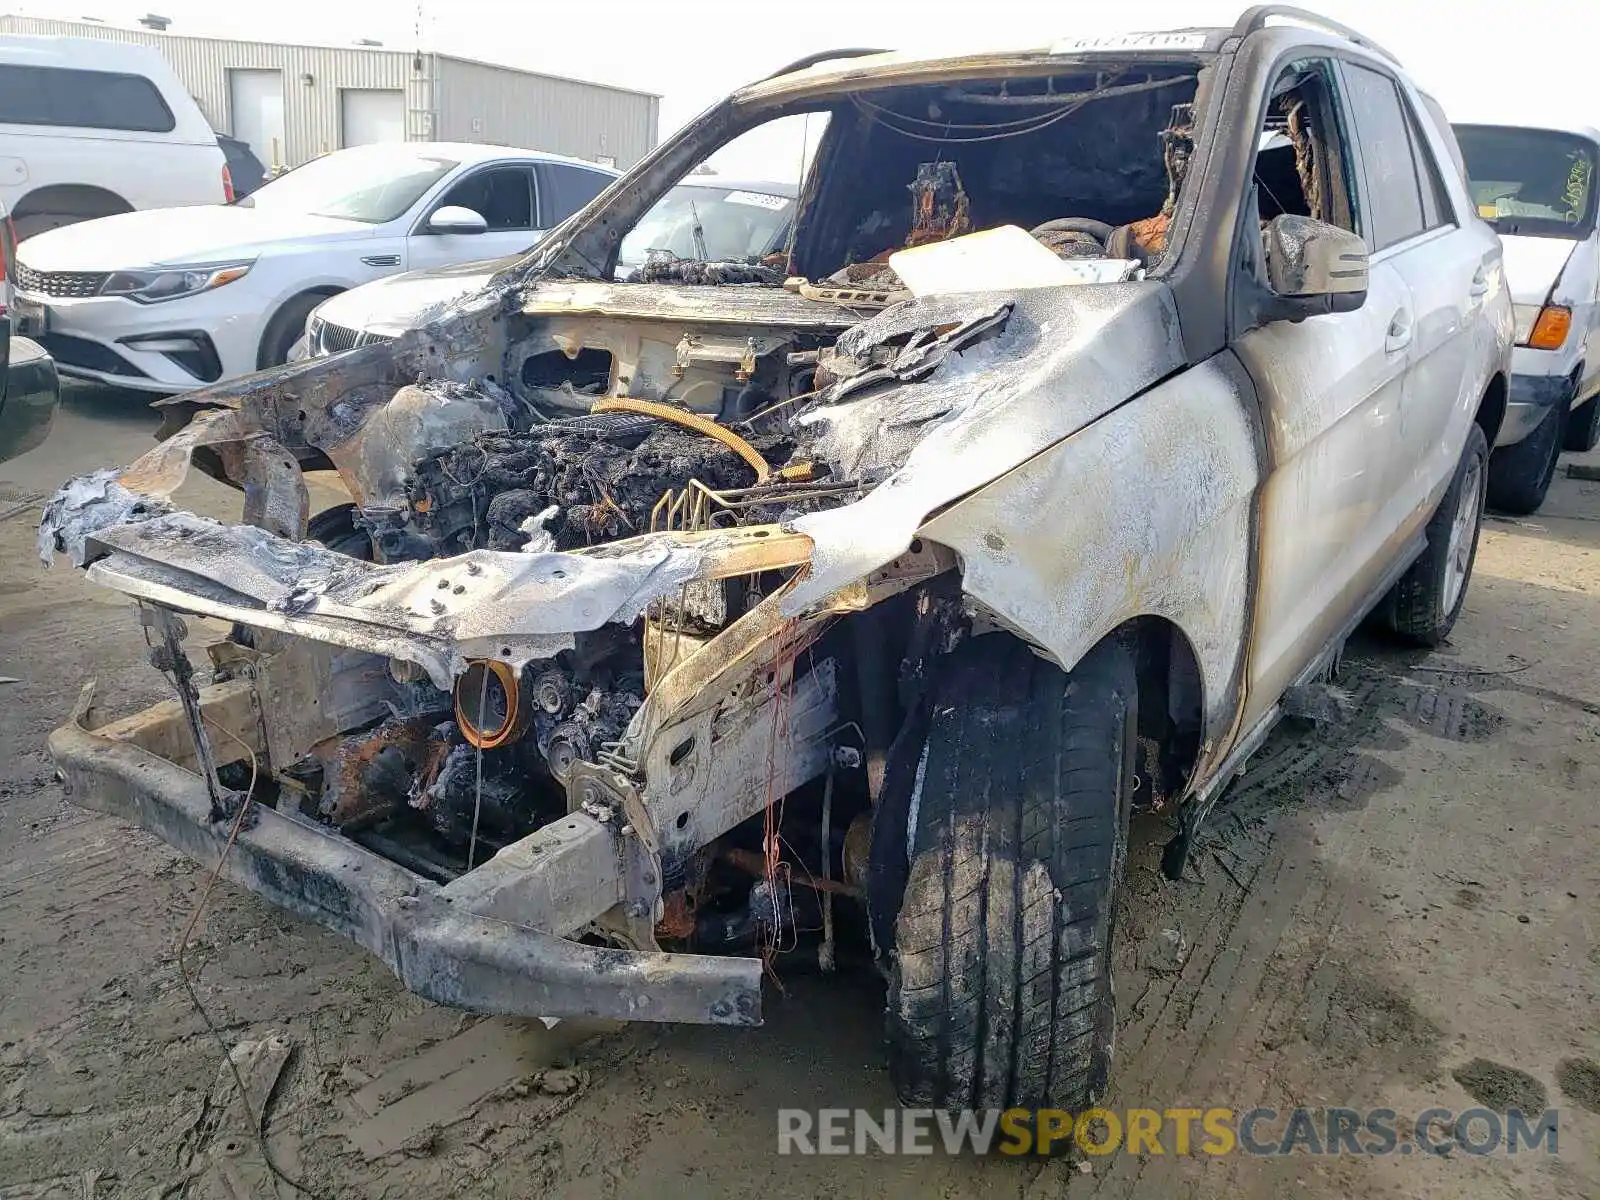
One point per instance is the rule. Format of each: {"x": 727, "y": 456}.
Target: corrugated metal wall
{"x": 477, "y": 102}
{"x": 443, "y": 98}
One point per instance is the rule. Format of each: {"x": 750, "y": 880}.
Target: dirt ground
{"x": 1398, "y": 911}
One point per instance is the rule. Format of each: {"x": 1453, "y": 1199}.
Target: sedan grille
{"x": 71, "y": 284}
{"x": 336, "y": 338}
{"x": 328, "y": 338}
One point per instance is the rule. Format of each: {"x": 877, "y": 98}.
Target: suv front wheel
{"x": 1000, "y": 983}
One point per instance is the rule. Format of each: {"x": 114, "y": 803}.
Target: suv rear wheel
{"x": 1000, "y": 986}
{"x": 1426, "y": 601}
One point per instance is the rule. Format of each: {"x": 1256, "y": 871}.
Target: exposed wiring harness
{"x": 959, "y": 133}
{"x": 178, "y": 671}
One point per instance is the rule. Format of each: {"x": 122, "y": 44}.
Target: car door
{"x": 1448, "y": 266}
{"x": 1330, "y": 388}
{"x": 502, "y": 194}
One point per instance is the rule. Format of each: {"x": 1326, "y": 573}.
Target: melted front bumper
{"x": 438, "y": 940}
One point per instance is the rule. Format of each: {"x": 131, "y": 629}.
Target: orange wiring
{"x": 783, "y": 660}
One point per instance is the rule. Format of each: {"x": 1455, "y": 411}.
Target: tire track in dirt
{"x": 1250, "y": 882}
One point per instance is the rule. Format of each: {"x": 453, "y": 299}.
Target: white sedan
{"x": 171, "y": 299}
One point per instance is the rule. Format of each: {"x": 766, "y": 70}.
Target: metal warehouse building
{"x": 292, "y": 103}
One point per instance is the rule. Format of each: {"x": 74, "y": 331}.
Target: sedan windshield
{"x": 366, "y": 183}
{"x": 734, "y": 224}
{"x": 1534, "y": 182}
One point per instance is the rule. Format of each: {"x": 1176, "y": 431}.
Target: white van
{"x": 89, "y": 128}
{"x": 1536, "y": 186}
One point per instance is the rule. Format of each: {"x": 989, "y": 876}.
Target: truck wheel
{"x": 1520, "y": 475}
{"x": 1583, "y": 426}
{"x": 1426, "y": 601}
{"x": 1000, "y": 984}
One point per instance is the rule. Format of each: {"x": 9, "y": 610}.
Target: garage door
{"x": 368, "y": 115}
{"x": 256, "y": 99}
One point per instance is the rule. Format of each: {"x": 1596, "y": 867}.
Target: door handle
{"x": 1399, "y": 335}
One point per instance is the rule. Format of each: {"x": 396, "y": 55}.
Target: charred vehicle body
{"x": 674, "y": 621}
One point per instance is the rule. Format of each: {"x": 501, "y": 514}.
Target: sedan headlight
{"x": 169, "y": 283}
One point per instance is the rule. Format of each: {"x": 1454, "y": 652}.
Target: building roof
{"x": 11, "y": 21}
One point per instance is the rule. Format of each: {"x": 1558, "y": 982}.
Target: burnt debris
{"x": 693, "y": 271}
{"x": 602, "y": 474}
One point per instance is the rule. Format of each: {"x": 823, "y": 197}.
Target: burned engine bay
{"x": 648, "y": 551}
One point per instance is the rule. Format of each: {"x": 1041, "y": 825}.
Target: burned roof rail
{"x": 822, "y": 56}
{"x": 1256, "y": 18}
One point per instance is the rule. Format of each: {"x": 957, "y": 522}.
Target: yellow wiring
{"x": 689, "y": 420}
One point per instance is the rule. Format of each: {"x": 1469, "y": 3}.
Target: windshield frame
{"x": 585, "y": 245}
{"x": 398, "y": 154}
{"x": 1561, "y": 140}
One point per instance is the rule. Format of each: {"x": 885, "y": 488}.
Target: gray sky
{"x": 1532, "y": 60}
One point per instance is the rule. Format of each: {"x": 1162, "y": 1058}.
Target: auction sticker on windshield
{"x": 1191, "y": 40}
{"x": 757, "y": 200}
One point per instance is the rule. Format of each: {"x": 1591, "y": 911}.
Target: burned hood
{"x": 925, "y": 403}
{"x": 1055, "y": 360}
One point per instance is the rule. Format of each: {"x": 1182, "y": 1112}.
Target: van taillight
{"x": 227, "y": 184}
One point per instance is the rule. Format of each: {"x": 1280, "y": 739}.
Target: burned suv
{"x": 845, "y": 602}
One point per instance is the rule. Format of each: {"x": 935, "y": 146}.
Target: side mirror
{"x": 1314, "y": 267}
{"x": 452, "y": 218}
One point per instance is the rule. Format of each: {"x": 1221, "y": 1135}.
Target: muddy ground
{"x": 1397, "y": 911}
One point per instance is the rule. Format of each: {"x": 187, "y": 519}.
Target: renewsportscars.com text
{"x": 1261, "y": 1132}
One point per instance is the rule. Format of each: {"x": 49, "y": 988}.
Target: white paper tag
{"x": 757, "y": 200}
{"x": 1185, "y": 40}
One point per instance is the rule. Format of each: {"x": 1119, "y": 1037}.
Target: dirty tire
{"x": 336, "y": 529}
{"x": 1520, "y": 475}
{"x": 285, "y": 329}
{"x": 1583, "y": 426}
{"x": 1421, "y": 608}
{"x": 1000, "y": 987}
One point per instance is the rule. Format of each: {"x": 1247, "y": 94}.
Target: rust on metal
{"x": 501, "y": 694}
{"x": 366, "y": 775}
{"x": 755, "y": 864}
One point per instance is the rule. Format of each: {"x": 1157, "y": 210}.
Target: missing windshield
{"x": 1090, "y": 163}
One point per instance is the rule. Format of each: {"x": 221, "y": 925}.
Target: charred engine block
{"x": 418, "y": 770}
{"x": 563, "y": 485}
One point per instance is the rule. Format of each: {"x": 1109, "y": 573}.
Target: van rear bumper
{"x": 1530, "y": 398}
